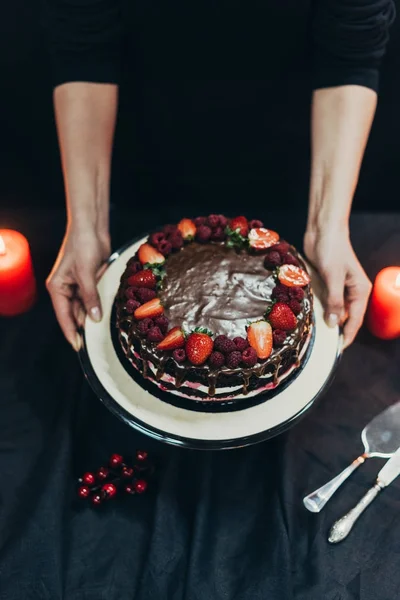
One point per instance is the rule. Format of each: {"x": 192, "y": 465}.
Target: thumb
{"x": 334, "y": 302}
{"x": 90, "y": 296}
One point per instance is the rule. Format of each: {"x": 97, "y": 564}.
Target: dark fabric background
{"x": 246, "y": 142}
{"x": 213, "y": 526}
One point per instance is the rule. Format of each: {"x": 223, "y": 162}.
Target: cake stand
{"x": 200, "y": 429}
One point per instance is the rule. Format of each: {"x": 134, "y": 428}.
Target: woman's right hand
{"x": 72, "y": 283}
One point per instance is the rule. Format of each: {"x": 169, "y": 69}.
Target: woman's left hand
{"x": 347, "y": 285}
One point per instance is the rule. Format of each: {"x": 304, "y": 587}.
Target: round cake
{"x": 215, "y": 309}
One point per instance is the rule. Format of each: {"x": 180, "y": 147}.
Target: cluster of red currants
{"x": 118, "y": 476}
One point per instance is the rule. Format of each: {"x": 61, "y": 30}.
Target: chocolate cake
{"x": 215, "y": 309}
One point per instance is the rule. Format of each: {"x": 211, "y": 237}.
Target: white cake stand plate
{"x": 198, "y": 429}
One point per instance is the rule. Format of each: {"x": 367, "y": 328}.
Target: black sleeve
{"x": 84, "y": 39}
{"x": 350, "y": 38}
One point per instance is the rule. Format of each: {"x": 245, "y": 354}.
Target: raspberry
{"x": 223, "y": 344}
{"x": 240, "y": 343}
{"x": 200, "y": 221}
{"x": 156, "y": 238}
{"x": 255, "y": 224}
{"x": 145, "y": 325}
{"x": 272, "y": 259}
{"x": 203, "y": 234}
{"x": 169, "y": 229}
{"x": 130, "y": 292}
{"x": 133, "y": 266}
{"x": 217, "y": 359}
{"x": 223, "y": 221}
{"x": 154, "y": 335}
{"x": 218, "y": 235}
{"x": 295, "y": 306}
{"x": 279, "y": 337}
{"x": 132, "y": 305}
{"x": 165, "y": 247}
{"x": 176, "y": 240}
{"x": 213, "y": 221}
{"x": 144, "y": 295}
{"x": 296, "y": 293}
{"x": 289, "y": 259}
{"x": 234, "y": 359}
{"x": 162, "y": 323}
{"x": 249, "y": 357}
{"x": 282, "y": 247}
{"x": 179, "y": 355}
{"x": 281, "y": 293}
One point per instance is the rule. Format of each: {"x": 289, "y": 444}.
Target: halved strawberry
{"x": 293, "y": 276}
{"x": 143, "y": 279}
{"x": 152, "y": 308}
{"x": 282, "y": 317}
{"x": 174, "y": 339}
{"x": 261, "y": 238}
{"x": 259, "y": 335}
{"x": 241, "y": 224}
{"x": 187, "y": 229}
{"x": 148, "y": 254}
{"x": 198, "y": 347}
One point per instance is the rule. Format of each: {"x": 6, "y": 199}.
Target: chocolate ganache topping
{"x": 215, "y": 287}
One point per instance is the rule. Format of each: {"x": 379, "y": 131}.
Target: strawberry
{"x": 261, "y": 238}
{"x": 175, "y": 338}
{"x": 199, "y": 346}
{"x": 259, "y": 335}
{"x": 293, "y": 276}
{"x": 241, "y": 224}
{"x": 148, "y": 254}
{"x": 187, "y": 229}
{"x": 282, "y": 317}
{"x": 143, "y": 279}
{"x": 152, "y": 308}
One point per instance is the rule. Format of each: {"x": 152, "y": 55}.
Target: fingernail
{"x": 77, "y": 343}
{"x": 332, "y": 320}
{"x": 95, "y": 314}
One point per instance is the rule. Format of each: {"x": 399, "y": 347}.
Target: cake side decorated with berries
{"x": 216, "y": 309}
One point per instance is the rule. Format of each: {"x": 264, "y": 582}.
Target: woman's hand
{"x": 72, "y": 281}
{"x": 347, "y": 285}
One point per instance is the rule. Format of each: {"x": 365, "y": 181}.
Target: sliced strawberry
{"x": 174, "y": 339}
{"x": 259, "y": 335}
{"x": 149, "y": 255}
{"x": 143, "y": 279}
{"x": 282, "y": 317}
{"x": 187, "y": 229}
{"x": 241, "y": 224}
{"x": 293, "y": 276}
{"x": 198, "y": 347}
{"x": 152, "y": 308}
{"x": 261, "y": 238}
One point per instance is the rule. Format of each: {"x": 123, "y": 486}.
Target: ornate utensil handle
{"x": 316, "y": 501}
{"x": 341, "y": 529}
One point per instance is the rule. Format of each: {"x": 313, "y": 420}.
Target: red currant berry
{"x": 140, "y": 486}
{"x": 129, "y": 489}
{"x": 102, "y": 473}
{"x": 96, "y": 499}
{"x": 116, "y": 460}
{"x": 88, "y": 478}
{"x": 109, "y": 489}
{"x": 84, "y": 491}
{"x": 127, "y": 471}
{"x": 141, "y": 455}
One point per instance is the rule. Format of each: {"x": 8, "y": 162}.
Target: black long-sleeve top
{"x": 343, "y": 40}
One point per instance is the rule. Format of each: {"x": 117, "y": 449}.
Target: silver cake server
{"x": 386, "y": 475}
{"x": 381, "y": 438}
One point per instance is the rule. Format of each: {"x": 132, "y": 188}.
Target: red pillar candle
{"x": 383, "y": 318}
{"x": 17, "y": 280}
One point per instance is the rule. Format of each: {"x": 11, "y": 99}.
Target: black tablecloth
{"x": 224, "y": 525}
